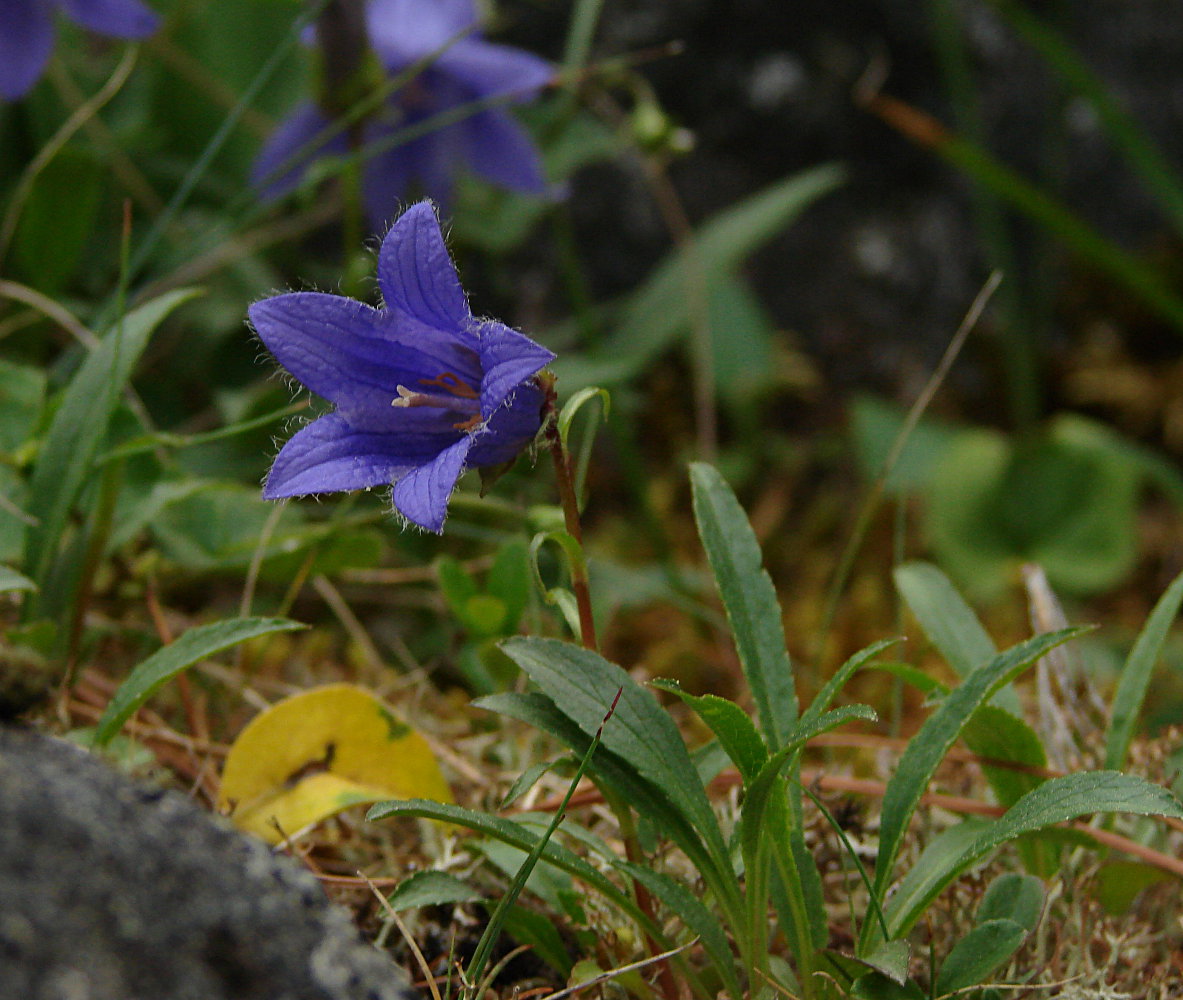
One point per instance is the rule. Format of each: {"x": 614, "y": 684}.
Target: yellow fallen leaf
{"x": 321, "y": 751}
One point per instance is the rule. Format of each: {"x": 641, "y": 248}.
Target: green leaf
{"x": 509, "y": 582}
{"x": 994, "y": 733}
{"x": 80, "y": 424}
{"x": 525, "y": 781}
{"x": 58, "y": 218}
{"x": 583, "y": 685}
{"x": 743, "y": 343}
{"x": 978, "y": 954}
{"x": 617, "y": 773}
{"x": 194, "y": 645}
{"x": 730, "y": 723}
{"x": 830, "y": 689}
{"x": 660, "y": 310}
{"x": 11, "y": 580}
{"x": 1013, "y": 896}
{"x": 1118, "y": 884}
{"x": 430, "y": 888}
{"x": 694, "y": 914}
{"x": 516, "y": 835}
{"x": 928, "y": 747}
{"x": 538, "y": 932}
{"x": 1055, "y": 801}
{"x": 22, "y": 395}
{"x": 1135, "y": 675}
{"x": 875, "y": 425}
{"x": 1055, "y": 500}
{"x": 749, "y": 598}
{"x": 947, "y": 620}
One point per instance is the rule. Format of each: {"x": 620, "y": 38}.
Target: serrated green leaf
{"x": 192, "y": 646}
{"x": 80, "y": 424}
{"x": 583, "y": 685}
{"x": 617, "y": 773}
{"x": 1135, "y": 675}
{"x": 749, "y": 598}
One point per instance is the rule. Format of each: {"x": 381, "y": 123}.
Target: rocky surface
{"x": 111, "y": 891}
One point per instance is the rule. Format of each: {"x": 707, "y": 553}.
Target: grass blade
{"x": 197, "y": 644}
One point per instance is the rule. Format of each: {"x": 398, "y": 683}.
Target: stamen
{"x": 407, "y": 397}
{"x": 470, "y": 424}
{"x": 452, "y": 384}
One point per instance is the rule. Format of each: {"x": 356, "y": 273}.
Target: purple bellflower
{"x": 463, "y": 68}
{"x": 422, "y": 389}
{"x": 26, "y": 33}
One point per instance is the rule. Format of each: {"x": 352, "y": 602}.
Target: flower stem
{"x": 570, "y": 504}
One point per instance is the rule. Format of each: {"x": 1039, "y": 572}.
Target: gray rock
{"x": 110, "y": 891}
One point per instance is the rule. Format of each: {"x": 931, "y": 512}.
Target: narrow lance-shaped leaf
{"x": 736, "y": 732}
{"x": 749, "y": 598}
{"x": 516, "y": 835}
{"x": 611, "y": 770}
{"x": 583, "y": 684}
{"x": 1135, "y": 676}
{"x": 928, "y": 747}
{"x": 949, "y": 622}
{"x": 197, "y": 644}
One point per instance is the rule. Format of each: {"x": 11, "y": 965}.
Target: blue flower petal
{"x": 122, "y": 18}
{"x": 417, "y": 276}
{"x": 404, "y": 31}
{"x": 297, "y": 142}
{"x": 26, "y": 40}
{"x": 508, "y": 358}
{"x": 510, "y": 429}
{"x": 355, "y": 355}
{"x": 329, "y": 456}
{"x": 492, "y": 70}
{"x": 501, "y": 151}
{"x": 422, "y": 495}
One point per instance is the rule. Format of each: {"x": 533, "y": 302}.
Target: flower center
{"x": 457, "y": 396}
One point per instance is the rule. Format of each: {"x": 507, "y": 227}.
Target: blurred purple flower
{"x": 462, "y": 70}
{"x": 422, "y": 389}
{"x": 26, "y": 33}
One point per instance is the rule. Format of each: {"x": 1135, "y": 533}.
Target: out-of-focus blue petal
{"x": 353, "y": 354}
{"x": 293, "y": 145}
{"x": 510, "y": 429}
{"x": 387, "y": 177}
{"x": 328, "y": 456}
{"x": 122, "y": 18}
{"x": 417, "y": 275}
{"x": 404, "y": 31}
{"x": 492, "y": 70}
{"x": 508, "y": 358}
{"x": 26, "y": 39}
{"x": 501, "y": 151}
{"x": 422, "y": 494}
